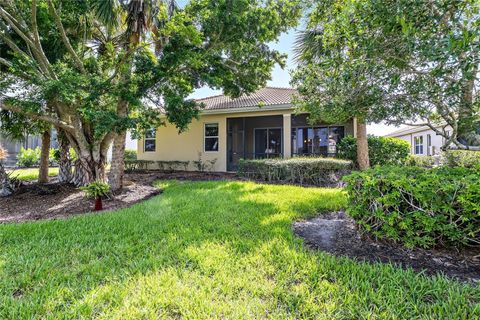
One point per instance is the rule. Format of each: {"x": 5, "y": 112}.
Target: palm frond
{"x": 107, "y": 11}
{"x": 308, "y": 45}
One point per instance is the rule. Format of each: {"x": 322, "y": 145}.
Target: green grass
{"x": 208, "y": 250}
{"x": 29, "y": 174}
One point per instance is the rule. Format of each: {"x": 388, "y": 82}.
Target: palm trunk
{"x": 6, "y": 186}
{"x": 43, "y": 170}
{"x": 117, "y": 169}
{"x": 362, "y": 145}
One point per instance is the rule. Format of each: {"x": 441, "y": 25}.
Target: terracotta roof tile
{"x": 268, "y": 96}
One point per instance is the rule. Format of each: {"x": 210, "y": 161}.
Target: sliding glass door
{"x": 268, "y": 143}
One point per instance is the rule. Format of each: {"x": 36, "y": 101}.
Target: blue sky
{"x": 281, "y": 77}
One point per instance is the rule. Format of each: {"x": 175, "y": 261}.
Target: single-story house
{"x": 256, "y": 126}
{"x": 422, "y": 139}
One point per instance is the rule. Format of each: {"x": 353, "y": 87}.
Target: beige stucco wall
{"x": 189, "y": 145}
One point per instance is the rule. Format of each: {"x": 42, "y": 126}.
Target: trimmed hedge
{"x": 324, "y": 172}
{"x": 381, "y": 150}
{"x": 461, "y": 158}
{"x": 417, "y": 207}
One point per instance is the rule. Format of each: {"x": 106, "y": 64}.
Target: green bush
{"x": 28, "y": 158}
{"x": 461, "y": 158}
{"x": 130, "y": 154}
{"x": 326, "y": 172}
{"x": 417, "y": 206}
{"x": 55, "y": 155}
{"x": 421, "y": 161}
{"x": 96, "y": 189}
{"x": 382, "y": 150}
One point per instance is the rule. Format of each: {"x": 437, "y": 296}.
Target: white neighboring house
{"x": 423, "y": 140}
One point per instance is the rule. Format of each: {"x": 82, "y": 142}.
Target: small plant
{"x": 96, "y": 190}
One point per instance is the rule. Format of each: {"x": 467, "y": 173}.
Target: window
{"x": 211, "y": 137}
{"x": 150, "y": 141}
{"x": 316, "y": 140}
{"x": 418, "y": 143}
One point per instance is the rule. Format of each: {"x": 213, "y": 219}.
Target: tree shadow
{"x": 202, "y": 249}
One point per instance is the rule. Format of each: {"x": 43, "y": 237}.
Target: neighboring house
{"x": 261, "y": 125}
{"x": 423, "y": 140}
{"x": 30, "y": 141}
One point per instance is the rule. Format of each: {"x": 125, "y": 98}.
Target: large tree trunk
{"x": 88, "y": 170}
{"x": 64, "y": 163}
{"x": 45, "y": 152}
{"x": 362, "y": 145}
{"x": 117, "y": 169}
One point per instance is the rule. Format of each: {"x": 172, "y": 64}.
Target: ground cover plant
{"x": 218, "y": 249}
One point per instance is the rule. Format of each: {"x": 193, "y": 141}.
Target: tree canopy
{"x": 65, "y": 62}
{"x": 398, "y": 61}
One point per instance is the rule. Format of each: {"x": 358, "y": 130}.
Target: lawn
{"x": 208, "y": 250}
{"x": 29, "y": 174}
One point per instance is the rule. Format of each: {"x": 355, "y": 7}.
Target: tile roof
{"x": 268, "y": 96}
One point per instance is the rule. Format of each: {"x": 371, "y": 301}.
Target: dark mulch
{"x": 337, "y": 234}
{"x": 54, "y": 200}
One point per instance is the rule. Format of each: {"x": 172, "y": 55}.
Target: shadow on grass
{"x": 205, "y": 250}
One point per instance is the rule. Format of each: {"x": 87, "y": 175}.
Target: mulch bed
{"x": 54, "y": 200}
{"x": 337, "y": 234}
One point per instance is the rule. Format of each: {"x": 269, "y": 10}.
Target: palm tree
{"x": 308, "y": 48}
{"x": 136, "y": 19}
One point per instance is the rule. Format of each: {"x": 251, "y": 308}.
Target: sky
{"x": 281, "y": 77}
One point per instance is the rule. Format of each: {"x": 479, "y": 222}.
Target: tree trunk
{"x": 43, "y": 170}
{"x": 362, "y": 145}
{"x": 64, "y": 163}
{"x": 88, "y": 170}
{"x": 117, "y": 169}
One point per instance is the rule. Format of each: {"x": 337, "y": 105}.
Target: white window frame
{"x": 154, "y": 139}
{"x": 418, "y": 145}
{"x": 205, "y": 137}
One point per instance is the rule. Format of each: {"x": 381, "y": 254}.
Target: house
{"x": 422, "y": 139}
{"x": 30, "y": 141}
{"x": 256, "y": 126}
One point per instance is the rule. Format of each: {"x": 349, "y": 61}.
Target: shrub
{"x": 55, "y": 155}
{"x": 325, "y": 172}
{"x": 417, "y": 206}
{"x": 421, "y": 161}
{"x": 130, "y": 154}
{"x": 28, "y": 157}
{"x": 382, "y": 150}
{"x": 134, "y": 165}
{"x": 461, "y": 158}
